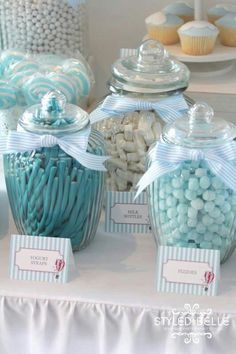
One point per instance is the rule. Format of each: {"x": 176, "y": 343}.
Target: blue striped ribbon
{"x": 74, "y": 145}
{"x": 166, "y": 158}
{"x": 169, "y": 109}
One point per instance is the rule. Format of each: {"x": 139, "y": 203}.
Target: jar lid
{"x": 199, "y": 128}
{"x": 54, "y": 114}
{"x": 152, "y": 70}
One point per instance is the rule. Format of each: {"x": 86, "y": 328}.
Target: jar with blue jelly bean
{"x": 52, "y": 193}
{"x": 190, "y": 205}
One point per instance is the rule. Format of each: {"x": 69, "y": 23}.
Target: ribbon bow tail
{"x": 90, "y": 161}
{"x": 156, "y": 170}
{"x": 225, "y": 170}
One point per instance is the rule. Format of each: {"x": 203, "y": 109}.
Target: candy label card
{"x": 124, "y": 214}
{"x": 188, "y": 270}
{"x": 38, "y": 258}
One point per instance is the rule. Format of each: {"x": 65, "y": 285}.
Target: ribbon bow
{"x": 167, "y": 158}
{"x": 74, "y": 145}
{"x": 169, "y": 109}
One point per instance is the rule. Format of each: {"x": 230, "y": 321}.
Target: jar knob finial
{"x": 200, "y": 112}
{"x": 53, "y": 102}
{"x": 152, "y": 51}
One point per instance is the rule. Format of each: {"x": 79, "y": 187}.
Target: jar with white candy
{"x": 37, "y": 26}
{"x": 146, "y": 90}
{"x": 192, "y": 183}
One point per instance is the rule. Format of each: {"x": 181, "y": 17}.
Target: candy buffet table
{"x": 109, "y": 307}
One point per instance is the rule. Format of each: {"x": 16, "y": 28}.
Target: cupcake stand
{"x": 213, "y": 76}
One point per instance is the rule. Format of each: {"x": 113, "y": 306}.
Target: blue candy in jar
{"x": 192, "y": 183}
{"x": 55, "y": 177}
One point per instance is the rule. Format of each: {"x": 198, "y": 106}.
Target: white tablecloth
{"x": 110, "y": 307}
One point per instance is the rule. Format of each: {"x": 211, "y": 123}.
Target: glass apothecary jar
{"x": 192, "y": 197}
{"x": 44, "y": 26}
{"x": 146, "y": 91}
{"x": 56, "y": 189}
{"x": 25, "y": 78}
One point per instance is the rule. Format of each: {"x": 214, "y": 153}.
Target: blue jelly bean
{"x": 213, "y": 228}
{"x": 192, "y": 213}
{"x": 182, "y": 208}
{"x": 163, "y": 217}
{"x": 200, "y": 172}
{"x": 176, "y": 234}
{"x": 195, "y": 164}
{"x": 200, "y": 228}
{"x": 173, "y": 223}
{"x": 225, "y": 208}
{"x": 216, "y": 183}
{"x": 193, "y": 184}
{"x": 162, "y": 205}
{"x": 208, "y": 236}
{"x": 209, "y": 195}
{"x": 181, "y": 218}
{"x": 220, "y": 219}
{"x": 176, "y": 182}
{"x": 192, "y": 222}
{"x": 204, "y": 182}
{"x": 185, "y": 174}
{"x": 217, "y": 241}
{"x": 168, "y": 189}
{"x": 207, "y": 220}
{"x": 171, "y": 201}
{"x": 178, "y": 193}
{"x": 162, "y": 194}
{"x": 197, "y": 204}
{"x": 206, "y": 245}
{"x": 209, "y": 206}
{"x": 190, "y": 195}
{"x": 183, "y": 228}
{"x": 171, "y": 213}
{"x": 219, "y": 200}
{"x": 215, "y": 213}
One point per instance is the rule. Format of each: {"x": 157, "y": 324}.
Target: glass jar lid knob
{"x": 151, "y": 52}
{"x": 53, "y": 104}
{"x": 200, "y": 113}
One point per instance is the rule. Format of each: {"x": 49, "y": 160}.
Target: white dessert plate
{"x": 220, "y": 53}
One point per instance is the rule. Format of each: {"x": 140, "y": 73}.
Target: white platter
{"x": 220, "y": 53}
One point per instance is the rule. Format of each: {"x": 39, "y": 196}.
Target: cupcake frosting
{"x": 179, "y": 8}
{"x": 159, "y": 18}
{"x": 227, "y": 21}
{"x": 221, "y": 9}
{"x": 198, "y": 28}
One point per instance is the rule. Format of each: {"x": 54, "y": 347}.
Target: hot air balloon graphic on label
{"x": 208, "y": 279}
{"x": 59, "y": 265}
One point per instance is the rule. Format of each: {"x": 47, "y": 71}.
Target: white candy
{"x": 23, "y": 25}
{"x": 128, "y": 140}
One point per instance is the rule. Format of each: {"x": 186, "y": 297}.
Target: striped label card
{"x": 38, "y": 258}
{"x": 188, "y": 270}
{"x": 124, "y": 214}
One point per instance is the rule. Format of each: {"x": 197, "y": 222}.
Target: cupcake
{"x": 220, "y": 10}
{"x": 198, "y": 37}
{"x": 163, "y": 27}
{"x": 181, "y": 9}
{"x": 227, "y": 27}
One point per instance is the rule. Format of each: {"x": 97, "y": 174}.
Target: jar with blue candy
{"x": 191, "y": 183}
{"x": 146, "y": 91}
{"x": 55, "y": 174}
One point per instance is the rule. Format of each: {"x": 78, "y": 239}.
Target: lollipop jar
{"x": 49, "y": 26}
{"x": 127, "y": 118}
{"x": 191, "y": 204}
{"x": 52, "y": 193}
